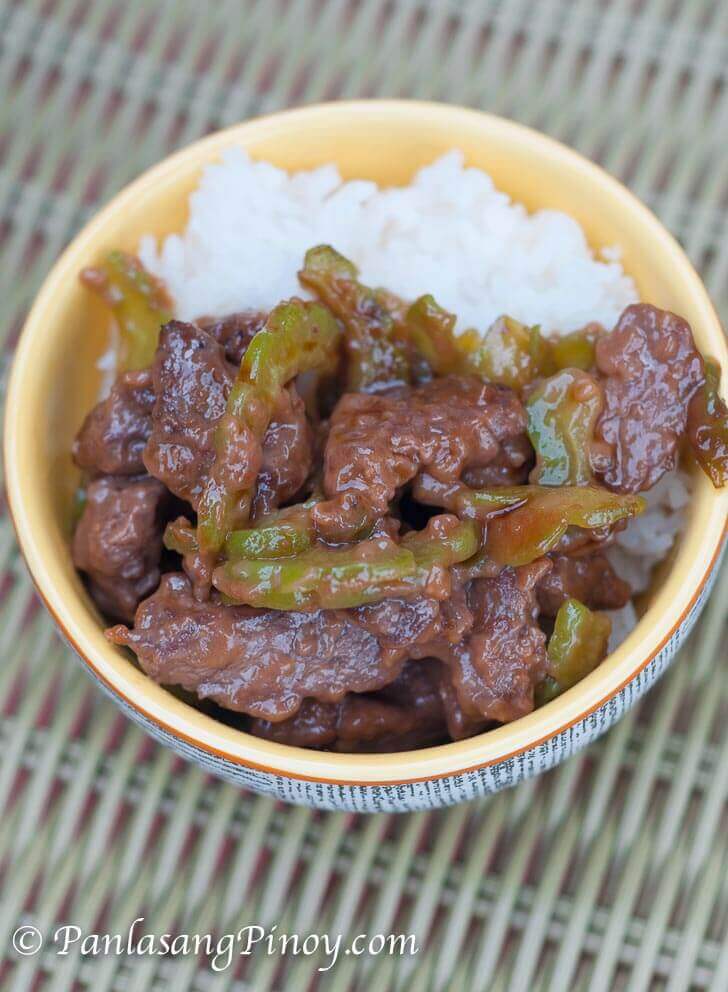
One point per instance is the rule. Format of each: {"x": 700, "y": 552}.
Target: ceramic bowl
{"x": 55, "y": 381}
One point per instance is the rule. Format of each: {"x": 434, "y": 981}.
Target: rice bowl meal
{"x": 367, "y": 472}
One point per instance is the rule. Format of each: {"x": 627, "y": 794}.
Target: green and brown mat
{"x": 609, "y": 873}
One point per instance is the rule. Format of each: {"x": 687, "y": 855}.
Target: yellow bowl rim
{"x": 209, "y": 735}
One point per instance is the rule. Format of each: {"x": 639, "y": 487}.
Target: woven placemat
{"x": 608, "y": 873}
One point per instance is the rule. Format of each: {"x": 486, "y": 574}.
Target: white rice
{"x": 649, "y": 538}
{"x": 450, "y": 233}
{"x": 623, "y": 623}
{"x": 108, "y": 363}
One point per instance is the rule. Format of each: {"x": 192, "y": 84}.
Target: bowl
{"x": 54, "y": 382}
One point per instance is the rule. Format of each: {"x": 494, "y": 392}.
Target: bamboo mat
{"x": 608, "y": 873}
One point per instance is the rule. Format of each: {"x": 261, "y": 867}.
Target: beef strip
{"x": 588, "y": 578}
{"x": 578, "y": 541}
{"x": 264, "y": 662}
{"x": 199, "y": 567}
{"x": 505, "y": 656}
{"x": 113, "y": 435}
{"x": 378, "y": 442}
{"x": 287, "y": 455}
{"x": 118, "y": 541}
{"x": 192, "y": 381}
{"x": 405, "y": 715}
{"x": 234, "y": 332}
{"x": 416, "y": 690}
{"x": 491, "y": 648}
{"x": 495, "y": 667}
{"x": 510, "y": 467}
{"x": 366, "y": 721}
{"x": 358, "y": 722}
{"x": 316, "y": 725}
{"x": 408, "y": 713}
{"x": 651, "y": 369}
{"x": 459, "y": 725}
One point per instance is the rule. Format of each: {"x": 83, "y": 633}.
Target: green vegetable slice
{"x": 278, "y": 535}
{"x": 344, "y": 577}
{"x": 562, "y": 414}
{"x": 575, "y": 350}
{"x": 577, "y": 645}
{"x": 375, "y": 357}
{"x": 509, "y": 353}
{"x": 137, "y": 300}
{"x": 535, "y": 528}
{"x": 298, "y": 337}
{"x": 431, "y": 329}
{"x": 478, "y": 504}
{"x": 708, "y": 427}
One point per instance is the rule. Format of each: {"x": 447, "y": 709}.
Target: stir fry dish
{"x": 342, "y": 524}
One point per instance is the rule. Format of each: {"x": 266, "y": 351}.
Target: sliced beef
{"x": 403, "y": 621}
{"x": 578, "y": 541}
{"x": 264, "y": 662}
{"x": 588, "y": 578}
{"x": 199, "y": 567}
{"x": 113, "y": 435}
{"x": 192, "y": 381}
{"x": 416, "y": 690}
{"x": 510, "y": 467}
{"x": 651, "y": 370}
{"x": 287, "y": 455}
{"x": 378, "y": 442}
{"x": 495, "y": 667}
{"x": 118, "y": 541}
{"x": 459, "y": 724}
{"x": 367, "y": 721}
{"x": 316, "y": 725}
{"x": 358, "y": 722}
{"x": 490, "y": 651}
{"x": 234, "y": 332}
{"x": 406, "y": 714}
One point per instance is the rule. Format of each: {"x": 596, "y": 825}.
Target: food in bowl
{"x": 353, "y": 522}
